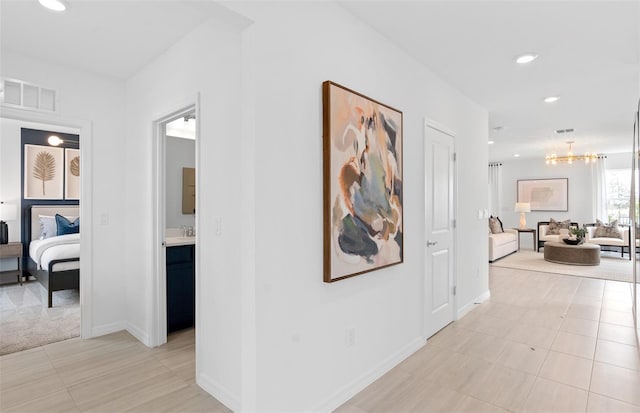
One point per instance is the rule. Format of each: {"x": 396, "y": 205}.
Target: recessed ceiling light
{"x": 526, "y": 58}
{"x": 516, "y": 155}
{"x": 491, "y": 142}
{"x": 55, "y": 5}
{"x": 551, "y": 99}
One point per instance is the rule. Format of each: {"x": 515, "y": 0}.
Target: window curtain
{"x": 599, "y": 192}
{"x": 495, "y": 188}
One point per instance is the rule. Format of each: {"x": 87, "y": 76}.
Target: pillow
{"x": 67, "y": 227}
{"x": 609, "y": 230}
{"x": 48, "y": 227}
{"x": 494, "y": 225}
{"x": 555, "y": 226}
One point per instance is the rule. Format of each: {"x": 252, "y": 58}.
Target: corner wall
{"x": 303, "y": 361}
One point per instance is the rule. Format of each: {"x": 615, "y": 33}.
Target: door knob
{"x": 430, "y": 243}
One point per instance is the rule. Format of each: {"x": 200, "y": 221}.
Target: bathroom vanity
{"x": 181, "y": 284}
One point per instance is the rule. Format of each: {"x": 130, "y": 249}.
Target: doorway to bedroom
{"x": 40, "y": 195}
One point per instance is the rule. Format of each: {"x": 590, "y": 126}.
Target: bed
{"x": 54, "y": 261}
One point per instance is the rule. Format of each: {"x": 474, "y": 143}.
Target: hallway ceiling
{"x": 588, "y": 55}
{"x": 113, "y": 38}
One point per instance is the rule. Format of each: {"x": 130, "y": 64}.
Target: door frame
{"x": 432, "y": 124}
{"x": 158, "y": 334}
{"x": 86, "y": 200}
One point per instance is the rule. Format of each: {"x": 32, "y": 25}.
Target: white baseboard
{"x": 347, "y": 392}
{"x": 108, "y": 329}
{"x": 471, "y": 305}
{"x": 221, "y": 393}
{"x": 139, "y": 334}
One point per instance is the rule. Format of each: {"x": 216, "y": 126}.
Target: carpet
{"x": 610, "y": 268}
{"x": 26, "y": 322}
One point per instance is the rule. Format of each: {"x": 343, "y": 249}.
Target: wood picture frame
{"x": 43, "y": 172}
{"x": 362, "y": 183}
{"x": 545, "y": 194}
{"x": 71, "y": 174}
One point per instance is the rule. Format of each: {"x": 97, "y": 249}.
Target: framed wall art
{"x": 545, "y": 194}
{"x": 71, "y": 173}
{"x": 43, "y": 172}
{"x": 362, "y": 183}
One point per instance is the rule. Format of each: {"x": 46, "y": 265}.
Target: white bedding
{"x": 43, "y": 251}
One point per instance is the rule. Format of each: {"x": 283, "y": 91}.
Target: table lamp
{"x": 523, "y": 207}
{"x": 8, "y": 212}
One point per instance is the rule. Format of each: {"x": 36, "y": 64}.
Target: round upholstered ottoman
{"x": 561, "y": 253}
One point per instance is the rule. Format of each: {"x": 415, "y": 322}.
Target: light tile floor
{"x": 542, "y": 343}
{"x": 113, "y": 373}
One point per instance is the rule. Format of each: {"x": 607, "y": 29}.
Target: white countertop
{"x": 177, "y": 241}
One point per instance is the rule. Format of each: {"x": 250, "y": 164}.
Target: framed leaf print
{"x": 43, "y": 171}
{"x": 362, "y": 174}
{"x": 71, "y": 173}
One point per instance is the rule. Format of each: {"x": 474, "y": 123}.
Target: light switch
{"x": 104, "y": 219}
{"x": 218, "y": 225}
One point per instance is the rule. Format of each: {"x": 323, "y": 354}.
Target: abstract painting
{"x": 71, "y": 173}
{"x": 545, "y": 194}
{"x": 362, "y": 174}
{"x": 43, "y": 170}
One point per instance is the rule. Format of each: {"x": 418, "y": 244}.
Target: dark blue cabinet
{"x": 181, "y": 287}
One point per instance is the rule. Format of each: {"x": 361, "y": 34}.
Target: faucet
{"x": 190, "y": 232}
{"x": 184, "y": 230}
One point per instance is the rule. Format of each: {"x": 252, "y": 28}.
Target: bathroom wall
{"x": 180, "y": 153}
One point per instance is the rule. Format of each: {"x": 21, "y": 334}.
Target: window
{"x": 618, "y": 193}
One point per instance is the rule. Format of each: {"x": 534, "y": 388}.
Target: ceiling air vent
{"x": 559, "y": 131}
{"x": 26, "y": 95}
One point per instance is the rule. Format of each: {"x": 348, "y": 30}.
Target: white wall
{"x": 180, "y": 153}
{"x": 302, "y": 361}
{"x": 205, "y": 61}
{"x": 98, "y": 99}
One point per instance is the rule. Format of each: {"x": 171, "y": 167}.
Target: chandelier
{"x": 553, "y": 159}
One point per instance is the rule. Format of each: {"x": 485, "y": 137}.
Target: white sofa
{"x": 609, "y": 242}
{"x": 543, "y": 227}
{"x": 502, "y": 244}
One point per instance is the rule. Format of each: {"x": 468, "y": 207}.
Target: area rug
{"x": 26, "y": 322}
{"x": 610, "y": 268}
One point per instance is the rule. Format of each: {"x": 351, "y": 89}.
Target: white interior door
{"x": 440, "y": 228}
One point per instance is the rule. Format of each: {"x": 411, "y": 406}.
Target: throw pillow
{"x": 494, "y": 226}
{"x": 609, "y": 230}
{"x": 67, "y": 227}
{"x": 556, "y": 226}
{"x": 48, "y": 227}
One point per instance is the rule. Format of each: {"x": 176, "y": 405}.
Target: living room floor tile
{"x": 621, "y": 355}
{"x": 574, "y": 344}
{"x": 522, "y": 357}
{"x": 616, "y": 382}
{"x": 580, "y": 326}
{"x": 567, "y": 369}
{"x": 602, "y": 404}
{"x": 619, "y": 334}
{"x": 586, "y": 311}
{"x": 549, "y": 396}
{"x": 621, "y": 318}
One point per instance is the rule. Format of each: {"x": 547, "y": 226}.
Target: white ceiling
{"x": 589, "y": 55}
{"x": 114, "y": 38}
